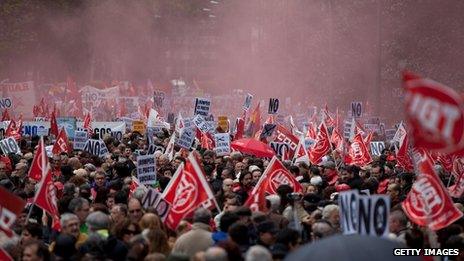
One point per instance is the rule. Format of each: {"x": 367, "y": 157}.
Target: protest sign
{"x": 96, "y": 147}
{"x": 9, "y": 145}
{"x": 356, "y": 109}
{"x": 153, "y": 199}
{"x": 33, "y": 128}
{"x": 273, "y": 106}
{"x": 186, "y": 138}
{"x": 158, "y": 99}
{"x": 222, "y": 141}
{"x": 247, "y": 103}
{"x": 115, "y": 128}
{"x": 389, "y": 134}
{"x": 364, "y": 214}
{"x": 202, "y": 106}
{"x": 22, "y": 96}
{"x": 5, "y": 103}
{"x": 80, "y": 139}
{"x": 146, "y": 169}
{"x": 138, "y": 126}
{"x": 202, "y": 124}
{"x": 68, "y": 123}
{"x": 223, "y": 124}
{"x": 377, "y": 147}
{"x": 280, "y": 148}
{"x": 153, "y": 148}
{"x": 268, "y": 130}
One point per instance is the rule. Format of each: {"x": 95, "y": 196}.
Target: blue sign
{"x": 69, "y": 123}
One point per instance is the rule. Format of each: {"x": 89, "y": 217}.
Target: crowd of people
{"x": 102, "y": 217}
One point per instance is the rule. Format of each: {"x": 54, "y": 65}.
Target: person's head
{"x": 70, "y": 224}
{"x": 227, "y": 220}
{"x": 239, "y": 167}
{"x": 244, "y": 214}
{"x": 100, "y": 178}
{"x": 258, "y": 253}
{"x": 227, "y": 185}
{"x": 209, "y": 156}
{"x": 32, "y": 231}
{"x": 230, "y": 201}
{"x": 331, "y": 214}
{"x": 267, "y": 232}
{"x": 150, "y": 221}
{"x": 226, "y": 173}
{"x": 135, "y": 210}
{"x": 311, "y": 189}
{"x": 238, "y": 233}
{"x": 245, "y": 179}
{"x": 398, "y": 221}
{"x": 65, "y": 247}
{"x": 215, "y": 254}
{"x": 273, "y": 203}
{"x": 376, "y": 170}
{"x": 118, "y": 212}
{"x": 80, "y": 207}
{"x": 97, "y": 221}
{"x": 394, "y": 191}
{"x": 321, "y": 229}
{"x": 202, "y": 215}
{"x": 35, "y": 250}
{"x": 289, "y": 237}
{"x": 124, "y": 230}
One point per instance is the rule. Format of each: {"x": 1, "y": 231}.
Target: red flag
{"x": 457, "y": 189}
{"x": 187, "y": 191}
{"x": 322, "y": 145}
{"x": 4, "y": 255}
{"x": 312, "y": 131}
{"x": 75, "y": 96}
{"x": 206, "y": 141}
{"x": 240, "y": 123}
{"x": 255, "y": 120}
{"x": 357, "y": 152}
{"x": 11, "y": 207}
{"x": 286, "y": 136}
{"x": 428, "y": 203}
{"x": 46, "y": 196}
{"x": 5, "y": 115}
{"x": 368, "y": 139}
{"x": 39, "y": 162}
{"x": 13, "y": 131}
{"x": 274, "y": 176}
{"x": 61, "y": 143}
{"x": 301, "y": 154}
{"x": 53, "y": 124}
{"x": 446, "y": 161}
{"x": 435, "y": 114}
{"x": 337, "y": 140}
{"x": 329, "y": 121}
{"x": 402, "y": 155}
{"x": 88, "y": 124}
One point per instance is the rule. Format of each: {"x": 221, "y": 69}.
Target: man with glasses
{"x": 135, "y": 210}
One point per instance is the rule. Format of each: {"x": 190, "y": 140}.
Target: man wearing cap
{"x": 267, "y": 232}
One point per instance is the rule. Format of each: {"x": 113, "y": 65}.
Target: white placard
{"x": 80, "y": 139}
{"x": 202, "y": 106}
{"x": 96, "y": 147}
{"x": 222, "y": 141}
{"x": 9, "y": 145}
{"x": 146, "y": 169}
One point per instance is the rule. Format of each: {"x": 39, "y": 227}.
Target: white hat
{"x": 316, "y": 181}
{"x": 253, "y": 168}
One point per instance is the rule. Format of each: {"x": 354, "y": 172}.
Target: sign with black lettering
{"x": 9, "y": 145}
{"x": 247, "y": 103}
{"x": 80, "y": 139}
{"x": 114, "y": 128}
{"x": 377, "y": 147}
{"x": 202, "y": 106}
{"x": 186, "y": 138}
{"x": 273, "y": 106}
{"x": 146, "y": 169}
{"x": 203, "y": 125}
{"x": 268, "y": 130}
{"x": 96, "y": 147}
{"x": 222, "y": 141}
{"x": 390, "y": 134}
{"x": 153, "y": 148}
{"x": 364, "y": 214}
{"x": 280, "y": 147}
{"x": 356, "y": 109}
{"x": 6, "y": 103}
{"x": 158, "y": 99}
{"x": 153, "y": 199}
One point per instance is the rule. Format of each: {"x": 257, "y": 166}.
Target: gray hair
{"x": 275, "y": 202}
{"x": 202, "y": 215}
{"x": 215, "y": 254}
{"x": 97, "y": 220}
{"x": 258, "y": 253}
{"x": 66, "y": 217}
{"x": 76, "y": 204}
{"x": 328, "y": 210}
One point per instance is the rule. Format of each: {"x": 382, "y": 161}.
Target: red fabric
{"x": 88, "y": 124}
{"x": 358, "y": 154}
{"x": 39, "y": 162}
{"x": 383, "y": 186}
{"x": 321, "y": 147}
{"x": 253, "y": 147}
{"x": 5, "y": 115}
{"x": 53, "y": 124}
{"x": 402, "y": 155}
{"x": 14, "y": 205}
{"x": 61, "y": 143}
{"x": 6, "y": 160}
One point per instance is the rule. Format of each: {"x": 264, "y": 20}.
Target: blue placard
{"x": 69, "y": 123}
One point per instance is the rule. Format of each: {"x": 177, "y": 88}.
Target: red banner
{"x": 11, "y": 207}
{"x": 357, "y": 153}
{"x": 321, "y": 147}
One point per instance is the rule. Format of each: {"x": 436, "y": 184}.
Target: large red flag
{"x": 337, "y": 140}
{"x": 53, "y": 124}
{"x": 286, "y": 136}
{"x": 88, "y": 124}
{"x": 14, "y": 129}
{"x": 274, "y": 176}
{"x": 322, "y": 145}
{"x": 240, "y": 123}
{"x": 5, "y": 115}
{"x": 187, "y": 191}
{"x": 4, "y": 255}
{"x": 357, "y": 153}
{"x": 206, "y": 142}
{"x": 11, "y": 207}
{"x": 403, "y": 158}
{"x": 61, "y": 143}
{"x": 435, "y": 114}
{"x": 428, "y": 203}
{"x": 327, "y": 119}
{"x": 46, "y": 196}
{"x": 301, "y": 154}
{"x": 39, "y": 162}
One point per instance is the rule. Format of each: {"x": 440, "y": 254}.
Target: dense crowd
{"x": 102, "y": 217}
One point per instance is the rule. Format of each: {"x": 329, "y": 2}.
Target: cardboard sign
{"x": 222, "y": 141}
{"x": 247, "y": 103}
{"x": 202, "y": 124}
{"x": 9, "y": 145}
{"x": 280, "y": 147}
{"x": 273, "y": 106}
{"x": 377, "y": 147}
{"x": 356, "y": 109}
{"x": 223, "y": 124}
{"x": 146, "y": 169}
{"x": 96, "y": 147}
{"x": 80, "y": 139}
{"x": 6, "y": 103}
{"x": 202, "y": 106}
{"x": 186, "y": 138}
{"x": 364, "y": 214}
{"x": 153, "y": 199}
{"x": 138, "y": 126}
